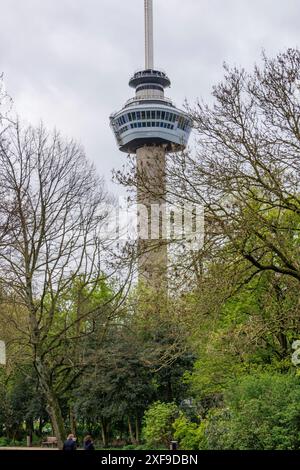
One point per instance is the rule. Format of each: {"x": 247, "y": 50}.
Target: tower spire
{"x": 149, "y": 60}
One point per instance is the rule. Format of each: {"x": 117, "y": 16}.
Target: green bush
{"x": 158, "y": 424}
{"x": 4, "y": 441}
{"x": 191, "y": 436}
{"x": 261, "y": 412}
{"x": 136, "y": 447}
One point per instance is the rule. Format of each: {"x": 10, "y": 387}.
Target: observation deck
{"x": 150, "y": 118}
{"x": 149, "y": 76}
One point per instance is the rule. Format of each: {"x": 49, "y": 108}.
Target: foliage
{"x": 252, "y": 330}
{"x": 158, "y": 423}
{"x": 260, "y": 412}
{"x": 21, "y": 404}
{"x": 119, "y": 388}
{"x": 191, "y": 435}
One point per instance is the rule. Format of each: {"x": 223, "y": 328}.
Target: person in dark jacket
{"x": 70, "y": 443}
{"x": 88, "y": 443}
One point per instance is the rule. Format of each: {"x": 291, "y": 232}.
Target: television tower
{"x": 150, "y": 126}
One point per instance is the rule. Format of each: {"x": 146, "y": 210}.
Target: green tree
{"x": 52, "y": 208}
{"x": 117, "y": 389}
{"x": 23, "y": 406}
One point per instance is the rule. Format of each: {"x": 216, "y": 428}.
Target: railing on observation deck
{"x": 149, "y": 98}
{"x": 155, "y": 73}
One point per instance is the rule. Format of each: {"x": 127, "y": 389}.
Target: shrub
{"x": 158, "y": 424}
{"x": 262, "y": 412}
{"x": 191, "y": 436}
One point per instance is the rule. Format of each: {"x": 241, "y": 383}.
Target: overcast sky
{"x": 68, "y": 62}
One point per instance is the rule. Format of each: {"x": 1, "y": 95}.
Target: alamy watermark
{"x": 130, "y": 222}
{"x": 296, "y": 354}
{"x": 2, "y": 353}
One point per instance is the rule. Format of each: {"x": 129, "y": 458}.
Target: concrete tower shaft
{"x": 151, "y": 193}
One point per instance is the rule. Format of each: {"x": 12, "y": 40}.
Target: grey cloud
{"x": 68, "y": 62}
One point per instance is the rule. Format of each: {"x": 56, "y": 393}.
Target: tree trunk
{"x": 104, "y": 433}
{"x": 57, "y": 422}
{"x": 52, "y": 407}
{"x": 29, "y": 430}
{"x": 41, "y": 425}
{"x": 137, "y": 430}
{"x": 73, "y": 423}
{"x": 132, "y": 439}
{"x": 169, "y": 390}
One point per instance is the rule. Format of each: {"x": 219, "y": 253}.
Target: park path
{"x": 26, "y": 448}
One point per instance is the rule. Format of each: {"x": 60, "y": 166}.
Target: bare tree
{"x": 246, "y": 167}
{"x": 244, "y": 170}
{"x": 51, "y": 209}
{"x": 5, "y": 107}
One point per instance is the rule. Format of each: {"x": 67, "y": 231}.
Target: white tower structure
{"x": 149, "y": 126}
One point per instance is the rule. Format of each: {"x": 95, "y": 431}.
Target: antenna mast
{"x": 149, "y": 60}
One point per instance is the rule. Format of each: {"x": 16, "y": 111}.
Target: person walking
{"x": 70, "y": 443}
{"x": 88, "y": 443}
